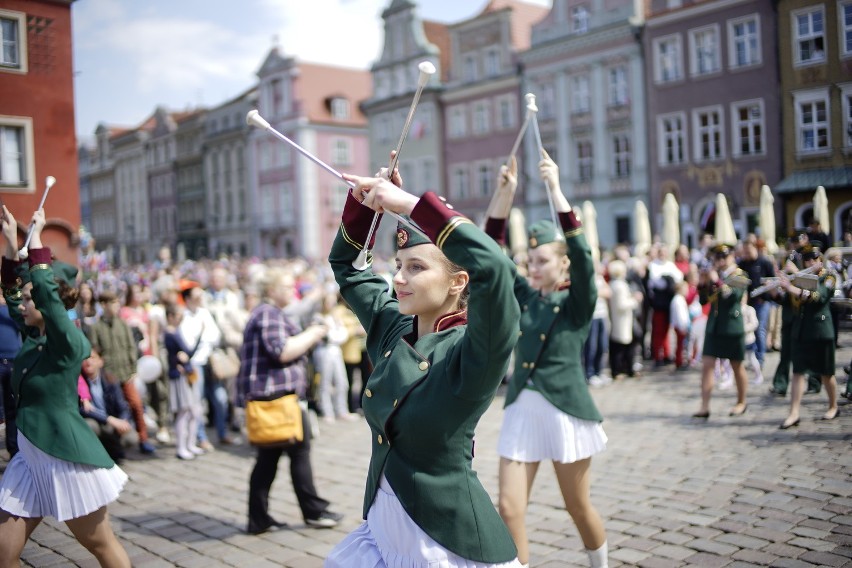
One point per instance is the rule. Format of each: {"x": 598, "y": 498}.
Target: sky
{"x": 131, "y": 56}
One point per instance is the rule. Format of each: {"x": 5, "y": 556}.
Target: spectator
{"x": 106, "y": 412}
{"x": 680, "y": 320}
{"x": 663, "y": 275}
{"x": 758, "y": 266}
{"x": 114, "y": 341}
{"x": 10, "y": 344}
{"x": 355, "y": 356}
{"x": 184, "y": 388}
{"x": 622, "y": 304}
{"x": 328, "y": 360}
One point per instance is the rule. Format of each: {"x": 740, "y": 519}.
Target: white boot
{"x": 598, "y": 558}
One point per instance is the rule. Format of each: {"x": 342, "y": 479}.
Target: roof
{"x": 808, "y": 180}
{"x": 317, "y": 84}
{"x": 524, "y": 16}
{"x": 439, "y": 35}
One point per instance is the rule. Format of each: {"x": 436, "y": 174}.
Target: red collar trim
{"x": 451, "y": 320}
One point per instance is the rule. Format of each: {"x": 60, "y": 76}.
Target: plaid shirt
{"x": 261, "y": 371}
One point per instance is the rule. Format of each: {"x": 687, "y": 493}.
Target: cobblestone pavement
{"x": 732, "y": 492}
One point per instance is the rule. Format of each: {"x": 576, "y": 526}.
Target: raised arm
{"x": 9, "y": 270}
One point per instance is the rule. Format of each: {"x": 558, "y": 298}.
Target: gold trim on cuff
{"x": 451, "y": 226}
{"x": 42, "y": 266}
{"x": 573, "y": 232}
{"x": 349, "y": 239}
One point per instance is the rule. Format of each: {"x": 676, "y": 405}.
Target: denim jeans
{"x": 594, "y": 348}
{"x": 762, "y": 309}
{"x": 217, "y": 405}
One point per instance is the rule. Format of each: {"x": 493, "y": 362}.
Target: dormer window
{"x": 339, "y": 108}
{"x": 580, "y": 19}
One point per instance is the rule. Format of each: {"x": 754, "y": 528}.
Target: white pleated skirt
{"x": 36, "y": 484}
{"x": 534, "y": 430}
{"x": 390, "y": 539}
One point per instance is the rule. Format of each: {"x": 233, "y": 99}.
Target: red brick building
{"x": 37, "y": 118}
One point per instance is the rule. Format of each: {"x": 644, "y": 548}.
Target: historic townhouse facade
{"x": 712, "y": 108}
{"x": 585, "y": 68}
{"x": 225, "y": 183}
{"x": 37, "y": 118}
{"x": 815, "y": 50}
{"x": 102, "y": 225}
{"x": 298, "y": 204}
{"x": 409, "y": 41}
{"x": 482, "y": 100}
{"x": 160, "y": 153}
{"x": 189, "y": 220}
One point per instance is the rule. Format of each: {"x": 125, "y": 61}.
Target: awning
{"x": 808, "y": 180}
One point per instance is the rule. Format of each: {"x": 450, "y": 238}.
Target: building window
{"x": 383, "y": 129}
{"x": 667, "y": 59}
{"x": 580, "y": 19}
{"x": 707, "y": 125}
{"x": 470, "y": 68}
{"x": 492, "y": 62}
{"x": 618, "y": 86}
{"x": 17, "y": 167}
{"x": 621, "y": 158}
{"x": 546, "y": 100}
{"x": 481, "y": 111}
{"x": 845, "y": 17}
{"x": 744, "y": 38}
{"x": 341, "y": 152}
{"x": 339, "y": 108}
{"x": 582, "y": 96}
{"x": 458, "y": 126}
{"x": 584, "y": 160}
{"x": 747, "y": 128}
{"x": 13, "y": 46}
{"x": 809, "y": 36}
{"x": 811, "y": 121}
{"x": 672, "y": 138}
{"x": 461, "y": 183}
{"x": 427, "y": 166}
{"x": 622, "y": 229}
{"x": 279, "y": 97}
{"x": 506, "y": 113}
{"x": 846, "y": 100}
{"x": 484, "y": 180}
{"x": 704, "y": 50}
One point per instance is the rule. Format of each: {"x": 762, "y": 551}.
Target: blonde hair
{"x": 617, "y": 269}
{"x": 271, "y": 278}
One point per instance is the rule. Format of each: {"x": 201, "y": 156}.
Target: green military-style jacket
{"x": 553, "y": 329}
{"x": 811, "y": 311}
{"x": 44, "y": 378}
{"x": 427, "y": 394}
{"x": 726, "y": 310}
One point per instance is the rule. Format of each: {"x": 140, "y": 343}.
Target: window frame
{"x": 794, "y": 16}
{"x": 698, "y": 130}
{"x": 585, "y": 161}
{"x": 737, "y": 124}
{"x": 20, "y": 18}
{"x": 581, "y": 98}
{"x": 811, "y": 96}
{"x": 27, "y": 167}
{"x": 619, "y": 86}
{"x": 846, "y": 106}
{"x": 622, "y": 155}
{"x": 757, "y": 59}
{"x": 713, "y": 31}
{"x": 843, "y": 29}
{"x": 580, "y": 19}
{"x": 682, "y": 137}
{"x": 677, "y": 41}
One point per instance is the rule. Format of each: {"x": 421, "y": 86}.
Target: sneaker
{"x": 231, "y": 441}
{"x": 599, "y": 381}
{"x": 726, "y": 384}
{"x": 195, "y": 450}
{"x": 206, "y": 446}
{"x": 326, "y": 520}
{"x": 163, "y": 436}
{"x": 147, "y": 448}
{"x": 758, "y": 380}
{"x": 185, "y": 455}
{"x": 350, "y": 417}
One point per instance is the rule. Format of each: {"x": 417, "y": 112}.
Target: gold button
{"x": 542, "y": 337}
{"x": 524, "y": 307}
{"x": 40, "y": 347}
{"x": 380, "y": 439}
{"x": 387, "y": 354}
{"x": 368, "y": 392}
{"x": 520, "y": 333}
{"x": 423, "y": 365}
{"x": 450, "y": 207}
{"x": 395, "y": 401}
{"x": 525, "y": 365}
{"x": 24, "y": 371}
{"x": 555, "y": 309}
{"x": 532, "y": 365}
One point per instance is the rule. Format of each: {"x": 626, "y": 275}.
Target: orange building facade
{"x": 37, "y": 137}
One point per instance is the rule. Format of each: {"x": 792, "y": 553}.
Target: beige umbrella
{"x": 821, "y": 210}
{"x": 725, "y": 234}
{"x": 766, "y": 219}
{"x": 671, "y": 223}
{"x": 590, "y": 228}
{"x": 642, "y": 230}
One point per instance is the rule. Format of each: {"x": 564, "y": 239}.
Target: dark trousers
{"x": 781, "y": 380}
{"x": 9, "y": 408}
{"x": 660, "y": 326}
{"x": 620, "y": 358}
{"x": 366, "y": 368}
{"x": 263, "y": 475}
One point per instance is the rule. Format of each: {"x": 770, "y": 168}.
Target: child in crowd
{"x": 184, "y": 391}
{"x": 750, "y": 323}
{"x": 680, "y": 320}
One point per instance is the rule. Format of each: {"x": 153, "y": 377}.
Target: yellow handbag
{"x": 274, "y": 422}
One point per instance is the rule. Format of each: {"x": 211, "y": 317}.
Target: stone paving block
{"x": 811, "y": 544}
{"x": 704, "y": 560}
{"x": 702, "y": 532}
{"x": 673, "y": 552}
{"x": 755, "y": 557}
{"x": 790, "y": 563}
{"x": 713, "y": 546}
{"x": 628, "y": 555}
{"x": 742, "y": 541}
{"x": 659, "y": 563}
{"x": 824, "y": 558}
